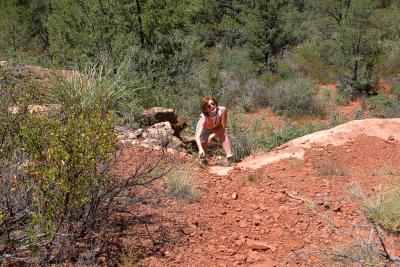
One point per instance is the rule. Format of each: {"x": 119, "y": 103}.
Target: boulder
{"x": 160, "y": 114}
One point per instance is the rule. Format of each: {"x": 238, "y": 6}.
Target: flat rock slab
{"x": 386, "y": 129}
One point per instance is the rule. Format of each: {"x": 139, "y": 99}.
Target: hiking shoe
{"x": 229, "y": 162}
{"x": 232, "y": 161}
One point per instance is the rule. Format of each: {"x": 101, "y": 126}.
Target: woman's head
{"x": 208, "y": 103}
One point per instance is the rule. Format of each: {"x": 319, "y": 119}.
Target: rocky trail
{"x": 294, "y": 206}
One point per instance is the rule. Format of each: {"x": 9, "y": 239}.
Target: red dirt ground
{"x": 219, "y": 230}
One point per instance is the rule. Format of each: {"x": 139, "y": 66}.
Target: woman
{"x": 212, "y": 123}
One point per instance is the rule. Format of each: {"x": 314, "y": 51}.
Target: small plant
{"x": 130, "y": 255}
{"x": 385, "y": 171}
{"x": 331, "y": 168}
{"x": 254, "y": 177}
{"x": 356, "y": 191}
{"x": 180, "y": 185}
{"x": 355, "y": 253}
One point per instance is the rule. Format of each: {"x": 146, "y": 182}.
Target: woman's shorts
{"x": 204, "y": 134}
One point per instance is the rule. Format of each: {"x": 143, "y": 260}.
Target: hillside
{"x": 281, "y": 210}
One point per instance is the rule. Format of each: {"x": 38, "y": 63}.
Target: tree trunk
{"x": 139, "y": 16}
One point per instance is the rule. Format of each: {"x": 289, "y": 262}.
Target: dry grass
{"x": 384, "y": 209}
{"x": 180, "y": 185}
{"x": 331, "y": 168}
{"x": 252, "y": 177}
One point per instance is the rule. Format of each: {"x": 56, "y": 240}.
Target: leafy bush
{"x": 64, "y": 160}
{"x": 295, "y": 97}
{"x": 273, "y": 139}
{"x": 308, "y": 60}
{"x": 350, "y": 89}
{"x": 383, "y": 105}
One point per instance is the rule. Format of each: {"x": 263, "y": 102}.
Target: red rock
{"x": 257, "y": 245}
{"x": 243, "y": 224}
{"x": 255, "y": 255}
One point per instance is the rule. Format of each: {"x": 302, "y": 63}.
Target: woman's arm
{"x": 224, "y": 121}
{"x": 199, "y": 130}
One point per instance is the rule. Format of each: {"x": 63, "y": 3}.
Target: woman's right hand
{"x": 201, "y": 153}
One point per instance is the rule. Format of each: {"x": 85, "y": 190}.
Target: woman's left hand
{"x": 211, "y": 137}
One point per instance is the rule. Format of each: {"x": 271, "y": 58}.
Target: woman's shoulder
{"x": 222, "y": 108}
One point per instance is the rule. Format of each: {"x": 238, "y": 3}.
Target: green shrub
{"x": 295, "y": 97}
{"x": 308, "y": 60}
{"x": 273, "y": 139}
{"x": 98, "y": 87}
{"x": 350, "y": 89}
{"x": 254, "y": 177}
{"x": 383, "y": 105}
{"x": 64, "y": 159}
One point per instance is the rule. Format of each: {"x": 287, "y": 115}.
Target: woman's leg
{"x": 226, "y": 142}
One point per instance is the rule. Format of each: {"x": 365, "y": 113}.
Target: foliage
{"x": 14, "y": 26}
{"x": 273, "y": 139}
{"x": 97, "y": 87}
{"x": 308, "y": 60}
{"x": 219, "y": 22}
{"x": 295, "y": 97}
{"x": 63, "y": 163}
{"x": 383, "y": 105}
{"x": 356, "y": 46}
{"x": 269, "y": 31}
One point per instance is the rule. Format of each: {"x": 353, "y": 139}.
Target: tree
{"x": 89, "y": 30}
{"x": 269, "y": 31}
{"x": 14, "y": 25}
{"x": 356, "y": 46}
{"x": 219, "y": 21}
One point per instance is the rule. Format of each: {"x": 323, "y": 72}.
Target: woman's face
{"x": 211, "y": 107}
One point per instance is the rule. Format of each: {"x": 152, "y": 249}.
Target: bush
{"x": 350, "y": 89}
{"x": 295, "y": 97}
{"x": 64, "y": 163}
{"x": 308, "y": 60}
{"x": 273, "y": 139}
{"x": 97, "y": 87}
{"x": 382, "y": 105}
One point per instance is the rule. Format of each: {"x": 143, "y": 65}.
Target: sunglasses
{"x": 211, "y": 105}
